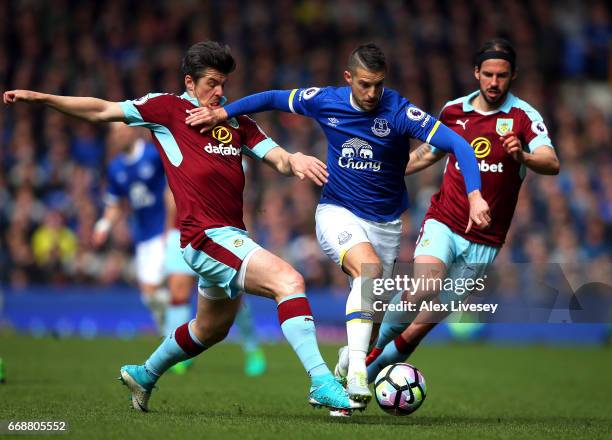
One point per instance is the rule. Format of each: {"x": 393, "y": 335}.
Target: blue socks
{"x": 394, "y": 323}
{"x": 388, "y": 332}
{"x": 298, "y": 327}
{"x": 178, "y": 346}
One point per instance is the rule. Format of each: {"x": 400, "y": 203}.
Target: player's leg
{"x": 435, "y": 250}
{"x": 255, "y": 359}
{"x": 150, "y": 274}
{"x": 214, "y": 317}
{"x": 179, "y": 310}
{"x": 343, "y": 238}
{"x": 362, "y": 263}
{"x": 180, "y": 281}
{"x": 351, "y": 368}
{"x": 405, "y": 343}
{"x": 230, "y": 259}
{"x": 385, "y": 238}
{"x": 270, "y": 276}
{"x": 216, "y": 312}
{"x": 180, "y": 284}
{"x": 471, "y": 262}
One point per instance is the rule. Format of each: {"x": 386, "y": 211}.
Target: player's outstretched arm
{"x": 257, "y": 103}
{"x": 543, "y": 160}
{"x": 422, "y": 157}
{"x": 297, "y": 164}
{"x": 89, "y": 109}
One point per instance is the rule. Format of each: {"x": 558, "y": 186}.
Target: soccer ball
{"x": 400, "y": 389}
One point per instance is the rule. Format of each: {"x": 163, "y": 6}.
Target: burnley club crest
{"x": 503, "y": 126}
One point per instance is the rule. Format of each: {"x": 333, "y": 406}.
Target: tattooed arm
{"x": 422, "y": 157}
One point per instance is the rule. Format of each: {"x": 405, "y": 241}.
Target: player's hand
{"x": 13, "y": 96}
{"x": 479, "y": 211}
{"x": 304, "y": 166}
{"x": 513, "y": 146}
{"x": 100, "y": 233}
{"x": 205, "y": 118}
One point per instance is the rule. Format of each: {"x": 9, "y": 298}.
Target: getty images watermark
{"x": 503, "y": 293}
{"x": 414, "y": 298}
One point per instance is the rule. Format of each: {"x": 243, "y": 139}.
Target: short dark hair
{"x": 369, "y": 57}
{"x": 496, "y": 45}
{"x": 207, "y": 55}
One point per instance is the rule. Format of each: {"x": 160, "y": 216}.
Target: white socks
{"x": 359, "y": 321}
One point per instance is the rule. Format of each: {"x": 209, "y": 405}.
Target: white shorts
{"x": 150, "y": 257}
{"x": 338, "y": 230}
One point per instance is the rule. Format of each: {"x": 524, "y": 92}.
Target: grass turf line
{"x": 474, "y": 391}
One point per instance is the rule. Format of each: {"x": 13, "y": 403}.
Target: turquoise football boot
{"x": 140, "y": 382}
{"x": 327, "y": 392}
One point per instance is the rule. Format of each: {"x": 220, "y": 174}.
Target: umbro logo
{"x": 333, "y": 122}
{"x": 462, "y": 123}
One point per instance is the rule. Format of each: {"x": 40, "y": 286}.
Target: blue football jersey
{"x": 367, "y": 151}
{"x": 140, "y": 179}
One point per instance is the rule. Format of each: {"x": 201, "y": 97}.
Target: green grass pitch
{"x": 474, "y": 391}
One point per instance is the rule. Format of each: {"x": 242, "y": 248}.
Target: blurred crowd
{"x": 52, "y": 168}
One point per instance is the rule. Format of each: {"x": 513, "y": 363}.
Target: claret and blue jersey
{"x": 501, "y": 175}
{"x": 204, "y": 170}
{"x": 139, "y": 178}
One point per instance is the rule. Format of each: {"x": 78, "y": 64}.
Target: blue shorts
{"x": 175, "y": 263}
{"x": 221, "y": 261}
{"x": 463, "y": 258}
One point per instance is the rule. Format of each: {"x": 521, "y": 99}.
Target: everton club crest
{"x": 381, "y": 127}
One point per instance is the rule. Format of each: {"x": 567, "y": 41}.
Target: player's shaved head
{"x": 368, "y": 57}
{"x": 207, "y": 55}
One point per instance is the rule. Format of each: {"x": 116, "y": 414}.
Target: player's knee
{"x": 372, "y": 269}
{"x": 289, "y": 282}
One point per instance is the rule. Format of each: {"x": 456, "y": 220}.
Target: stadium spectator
{"x": 54, "y": 246}
{"x": 51, "y": 47}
